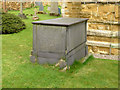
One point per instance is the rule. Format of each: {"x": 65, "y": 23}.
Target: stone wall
{"x": 16, "y": 5}
{"x": 103, "y": 24}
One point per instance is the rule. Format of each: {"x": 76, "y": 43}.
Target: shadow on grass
{"x": 77, "y": 65}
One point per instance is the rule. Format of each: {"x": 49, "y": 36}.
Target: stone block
{"x": 102, "y": 26}
{"x": 102, "y": 39}
{"x": 103, "y": 50}
{"x": 33, "y": 59}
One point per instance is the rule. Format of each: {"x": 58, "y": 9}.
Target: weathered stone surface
{"x": 51, "y": 38}
{"x": 63, "y": 22}
{"x": 102, "y": 16}
{"x": 34, "y": 40}
{"x": 41, "y": 7}
{"x": 72, "y": 52}
{"x": 103, "y": 33}
{"x": 103, "y": 44}
{"x": 44, "y": 60}
{"x": 102, "y": 39}
{"x": 16, "y": 5}
{"x": 103, "y": 50}
{"x": 63, "y": 64}
{"x": 50, "y": 54}
{"x": 59, "y": 38}
{"x": 33, "y": 59}
{"x": 54, "y": 8}
{"x": 102, "y": 12}
{"x": 102, "y": 26}
{"x": 112, "y": 57}
{"x": 77, "y": 55}
{"x": 78, "y": 32}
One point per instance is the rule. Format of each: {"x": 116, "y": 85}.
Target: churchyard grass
{"x": 19, "y": 72}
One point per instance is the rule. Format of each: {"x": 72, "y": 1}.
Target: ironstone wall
{"x": 16, "y": 5}
{"x": 103, "y": 24}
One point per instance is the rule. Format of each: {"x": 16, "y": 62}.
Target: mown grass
{"x": 19, "y": 72}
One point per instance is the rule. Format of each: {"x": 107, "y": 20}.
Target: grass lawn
{"x": 19, "y": 72}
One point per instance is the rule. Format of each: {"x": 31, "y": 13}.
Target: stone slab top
{"x": 61, "y": 21}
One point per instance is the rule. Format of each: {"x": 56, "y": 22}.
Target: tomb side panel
{"x": 51, "y": 39}
{"x": 34, "y": 38}
{"x": 76, "y": 35}
{"x": 76, "y": 55}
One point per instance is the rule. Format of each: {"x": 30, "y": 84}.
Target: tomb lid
{"x": 61, "y": 21}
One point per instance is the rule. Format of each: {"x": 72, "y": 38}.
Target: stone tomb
{"x": 54, "y": 9}
{"x": 41, "y": 7}
{"x": 35, "y": 17}
{"x": 59, "y": 38}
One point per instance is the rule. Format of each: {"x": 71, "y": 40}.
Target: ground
{"x": 19, "y": 72}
